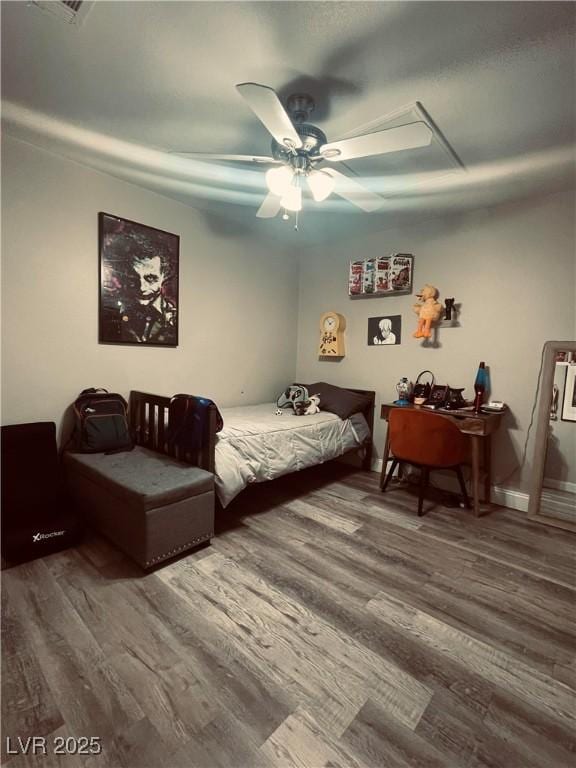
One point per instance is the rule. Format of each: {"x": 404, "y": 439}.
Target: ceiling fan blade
{"x": 266, "y": 105}
{"x": 354, "y": 192}
{"x": 253, "y": 159}
{"x": 270, "y": 207}
{"x": 391, "y": 140}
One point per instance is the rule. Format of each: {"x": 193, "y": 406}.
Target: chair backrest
{"x": 426, "y": 438}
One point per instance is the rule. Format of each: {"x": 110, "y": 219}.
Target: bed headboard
{"x": 149, "y": 424}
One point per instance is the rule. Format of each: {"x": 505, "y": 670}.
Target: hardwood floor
{"x": 326, "y": 625}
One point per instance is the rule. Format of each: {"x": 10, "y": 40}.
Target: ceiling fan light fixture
{"x": 279, "y": 179}
{"x": 292, "y": 199}
{"x": 330, "y": 153}
{"x": 321, "y": 185}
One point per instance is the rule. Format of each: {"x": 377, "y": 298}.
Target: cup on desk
{"x": 420, "y": 400}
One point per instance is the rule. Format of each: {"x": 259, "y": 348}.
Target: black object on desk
{"x": 438, "y": 395}
{"x": 454, "y": 401}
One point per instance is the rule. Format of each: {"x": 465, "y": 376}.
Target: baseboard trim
{"x": 560, "y": 485}
{"x": 505, "y": 497}
{"x": 557, "y": 506}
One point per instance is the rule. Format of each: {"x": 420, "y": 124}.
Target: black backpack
{"x": 101, "y": 422}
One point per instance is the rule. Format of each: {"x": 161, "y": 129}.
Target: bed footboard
{"x": 149, "y": 426}
{"x": 368, "y": 414}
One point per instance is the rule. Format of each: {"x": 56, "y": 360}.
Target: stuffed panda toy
{"x": 308, "y": 407}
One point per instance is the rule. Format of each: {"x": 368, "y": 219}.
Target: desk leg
{"x": 476, "y": 474}
{"x": 385, "y": 458}
{"x": 487, "y": 469}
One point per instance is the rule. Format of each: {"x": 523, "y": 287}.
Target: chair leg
{"x": 458, "y": 471}
{"x": 390, "y": 473}
{"x": 424, "y": 474}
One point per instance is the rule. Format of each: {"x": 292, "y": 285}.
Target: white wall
{"x": 237, "y": 296}
{"x": 513, "y": 271}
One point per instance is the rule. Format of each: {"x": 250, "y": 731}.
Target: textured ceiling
{"x": 137, "y": 80}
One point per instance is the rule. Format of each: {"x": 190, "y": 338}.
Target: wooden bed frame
{"x": 368, "y": 414}
{"x": 149, "y": 419}
{"x": 148, "y": 422}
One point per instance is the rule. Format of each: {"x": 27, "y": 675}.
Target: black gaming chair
{"x": 37, "y": 515}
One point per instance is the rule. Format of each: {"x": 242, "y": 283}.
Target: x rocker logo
{"x": 39, "y": 536}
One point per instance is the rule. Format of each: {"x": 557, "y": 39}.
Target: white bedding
{"x": 256, "y": 445}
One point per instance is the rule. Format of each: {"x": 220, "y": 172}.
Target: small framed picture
{"x": 138, "y": 283}
{"x": 569, "y": 400}
{"x": 384, "y": 330}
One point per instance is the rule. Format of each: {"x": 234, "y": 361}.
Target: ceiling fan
{"x": 302, "y": 154}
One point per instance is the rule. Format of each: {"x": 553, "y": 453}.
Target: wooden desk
{"x": 479, "y": 426}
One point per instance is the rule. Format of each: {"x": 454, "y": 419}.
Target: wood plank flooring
{"x": 326, "y": 626}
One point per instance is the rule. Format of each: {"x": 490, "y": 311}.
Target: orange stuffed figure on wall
{"x": 428, "y": 310}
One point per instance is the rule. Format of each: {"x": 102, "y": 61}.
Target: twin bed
{"x": 256, "y": 445}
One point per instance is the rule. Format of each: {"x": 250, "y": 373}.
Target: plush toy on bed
{"x": 296, "y": 400}
{"x": 314, "y": 406}
{"x": 308, "y": 407}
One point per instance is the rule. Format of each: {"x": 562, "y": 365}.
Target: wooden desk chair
{"x": 428, "y": 441}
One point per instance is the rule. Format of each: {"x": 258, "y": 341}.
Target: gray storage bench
{"x": 151, "y": 504}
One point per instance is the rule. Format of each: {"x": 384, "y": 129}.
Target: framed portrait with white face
{"x": 138, "y": 302}
{"x": 384, "y": 330}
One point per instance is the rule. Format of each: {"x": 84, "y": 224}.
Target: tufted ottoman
{"x": 149, "y": 504}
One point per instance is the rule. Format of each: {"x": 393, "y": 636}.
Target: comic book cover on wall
{"x": 381, "y": 276}
{"x": 401, "y": 272}
{"x": 369, "y": 279}
{"x": 355, "y": 278}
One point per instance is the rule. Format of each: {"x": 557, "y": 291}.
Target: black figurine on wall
{"x": 449, "y": 308}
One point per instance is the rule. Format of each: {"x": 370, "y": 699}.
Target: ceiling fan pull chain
{"x": 296, "y": 223}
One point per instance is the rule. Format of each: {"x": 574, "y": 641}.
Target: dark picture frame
{"x": 385, "y": 330}
{"x": 138, "y": 283}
